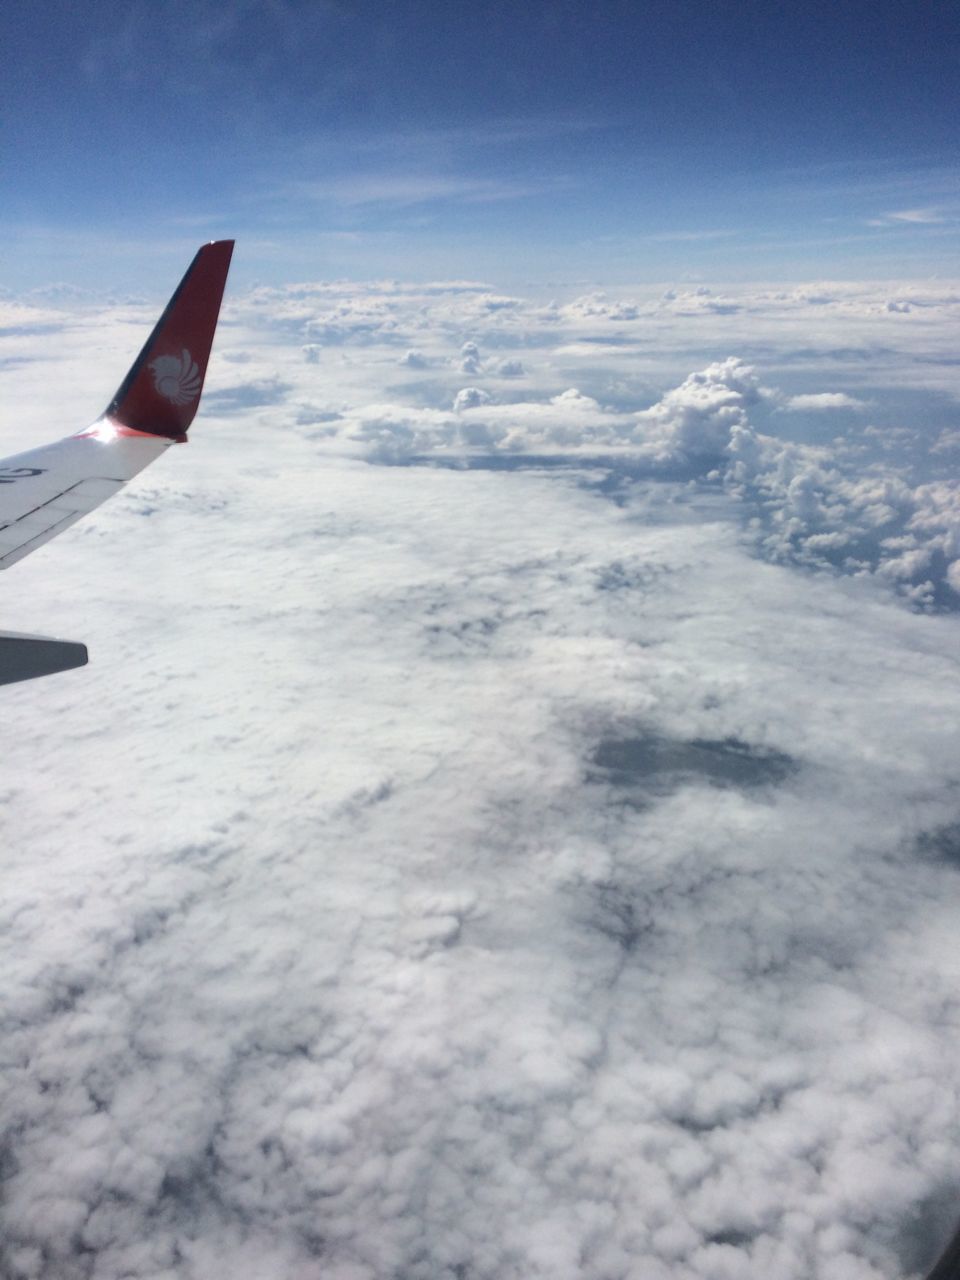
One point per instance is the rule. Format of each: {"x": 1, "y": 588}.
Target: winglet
{"x": 160, "y": 394}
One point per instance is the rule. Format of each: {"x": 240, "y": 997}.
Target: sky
{"x": 548, "y": 142}
{"x": 509, "y": 825}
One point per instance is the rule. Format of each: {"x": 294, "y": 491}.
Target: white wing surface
{"x": 44, "y": 491}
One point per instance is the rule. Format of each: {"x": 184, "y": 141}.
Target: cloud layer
{"x": 525, "y": 843}
{"x": 841, "y": 484}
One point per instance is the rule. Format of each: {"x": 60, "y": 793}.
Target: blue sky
{"x": 540, "y": 143}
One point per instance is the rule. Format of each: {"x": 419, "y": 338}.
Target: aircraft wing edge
{"x": 46, "y": 490}
{"x": 24, "y": 657}
{"x": 32, "y": 530}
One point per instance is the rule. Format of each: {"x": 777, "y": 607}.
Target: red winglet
{"x": 160, "y": 394}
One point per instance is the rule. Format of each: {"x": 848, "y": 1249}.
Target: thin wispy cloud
{"x": 932, "y": 216}
{"x": 403, "y": 190}
{"x": 918, "y": 215}
{"x": 480, "y": 135}
{"x": 860, "y": 177}
{"x": 666, "y": 237}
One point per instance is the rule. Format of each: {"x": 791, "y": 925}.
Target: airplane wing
{"x": 46, "y": 490}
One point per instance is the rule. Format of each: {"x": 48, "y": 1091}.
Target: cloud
{"x": 467, "y": 138}
{"x": 470, "y": 398}
{"x": 406, "y": 189}
{"x": 927, "y": 216}
{"x": 599, "y": 305}
{"x": 697, "y": 418}
{"x": 692, "y": 236}
{"x": 814, "y": 504}
{"x": 824, "y": 400}
{"x": 523, "y": 841}
{"x": 255, "y": 394}
{"x": 690, "y": 425}
{"x": 470, "y": 358}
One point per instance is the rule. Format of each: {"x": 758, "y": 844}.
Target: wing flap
{"x": 38, "y": 526}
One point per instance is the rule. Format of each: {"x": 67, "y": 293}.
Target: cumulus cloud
{"x": 470, "y": 398}
{"x": 697, "y": 418}
{"x": 599, "y": 305}
{"x": 690, "y": 424}
{"x": 538, "y": 864}
{"x": 815, "y": 504}
{"x": 469, "y": 358}
{"x": 817, "y": 509}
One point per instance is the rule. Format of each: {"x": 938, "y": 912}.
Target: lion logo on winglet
{"x": 177, "y": 378}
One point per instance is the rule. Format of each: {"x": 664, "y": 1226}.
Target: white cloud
{"x": 405, "y": 189}
{"x": 921, "y": 216}
{"x": 696, "y": 419}
{"x": 470, "y": 398}
{"x": 470, "y": 358}
{"x": 824, "y": 400}
{"x": 498, "y": 868}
